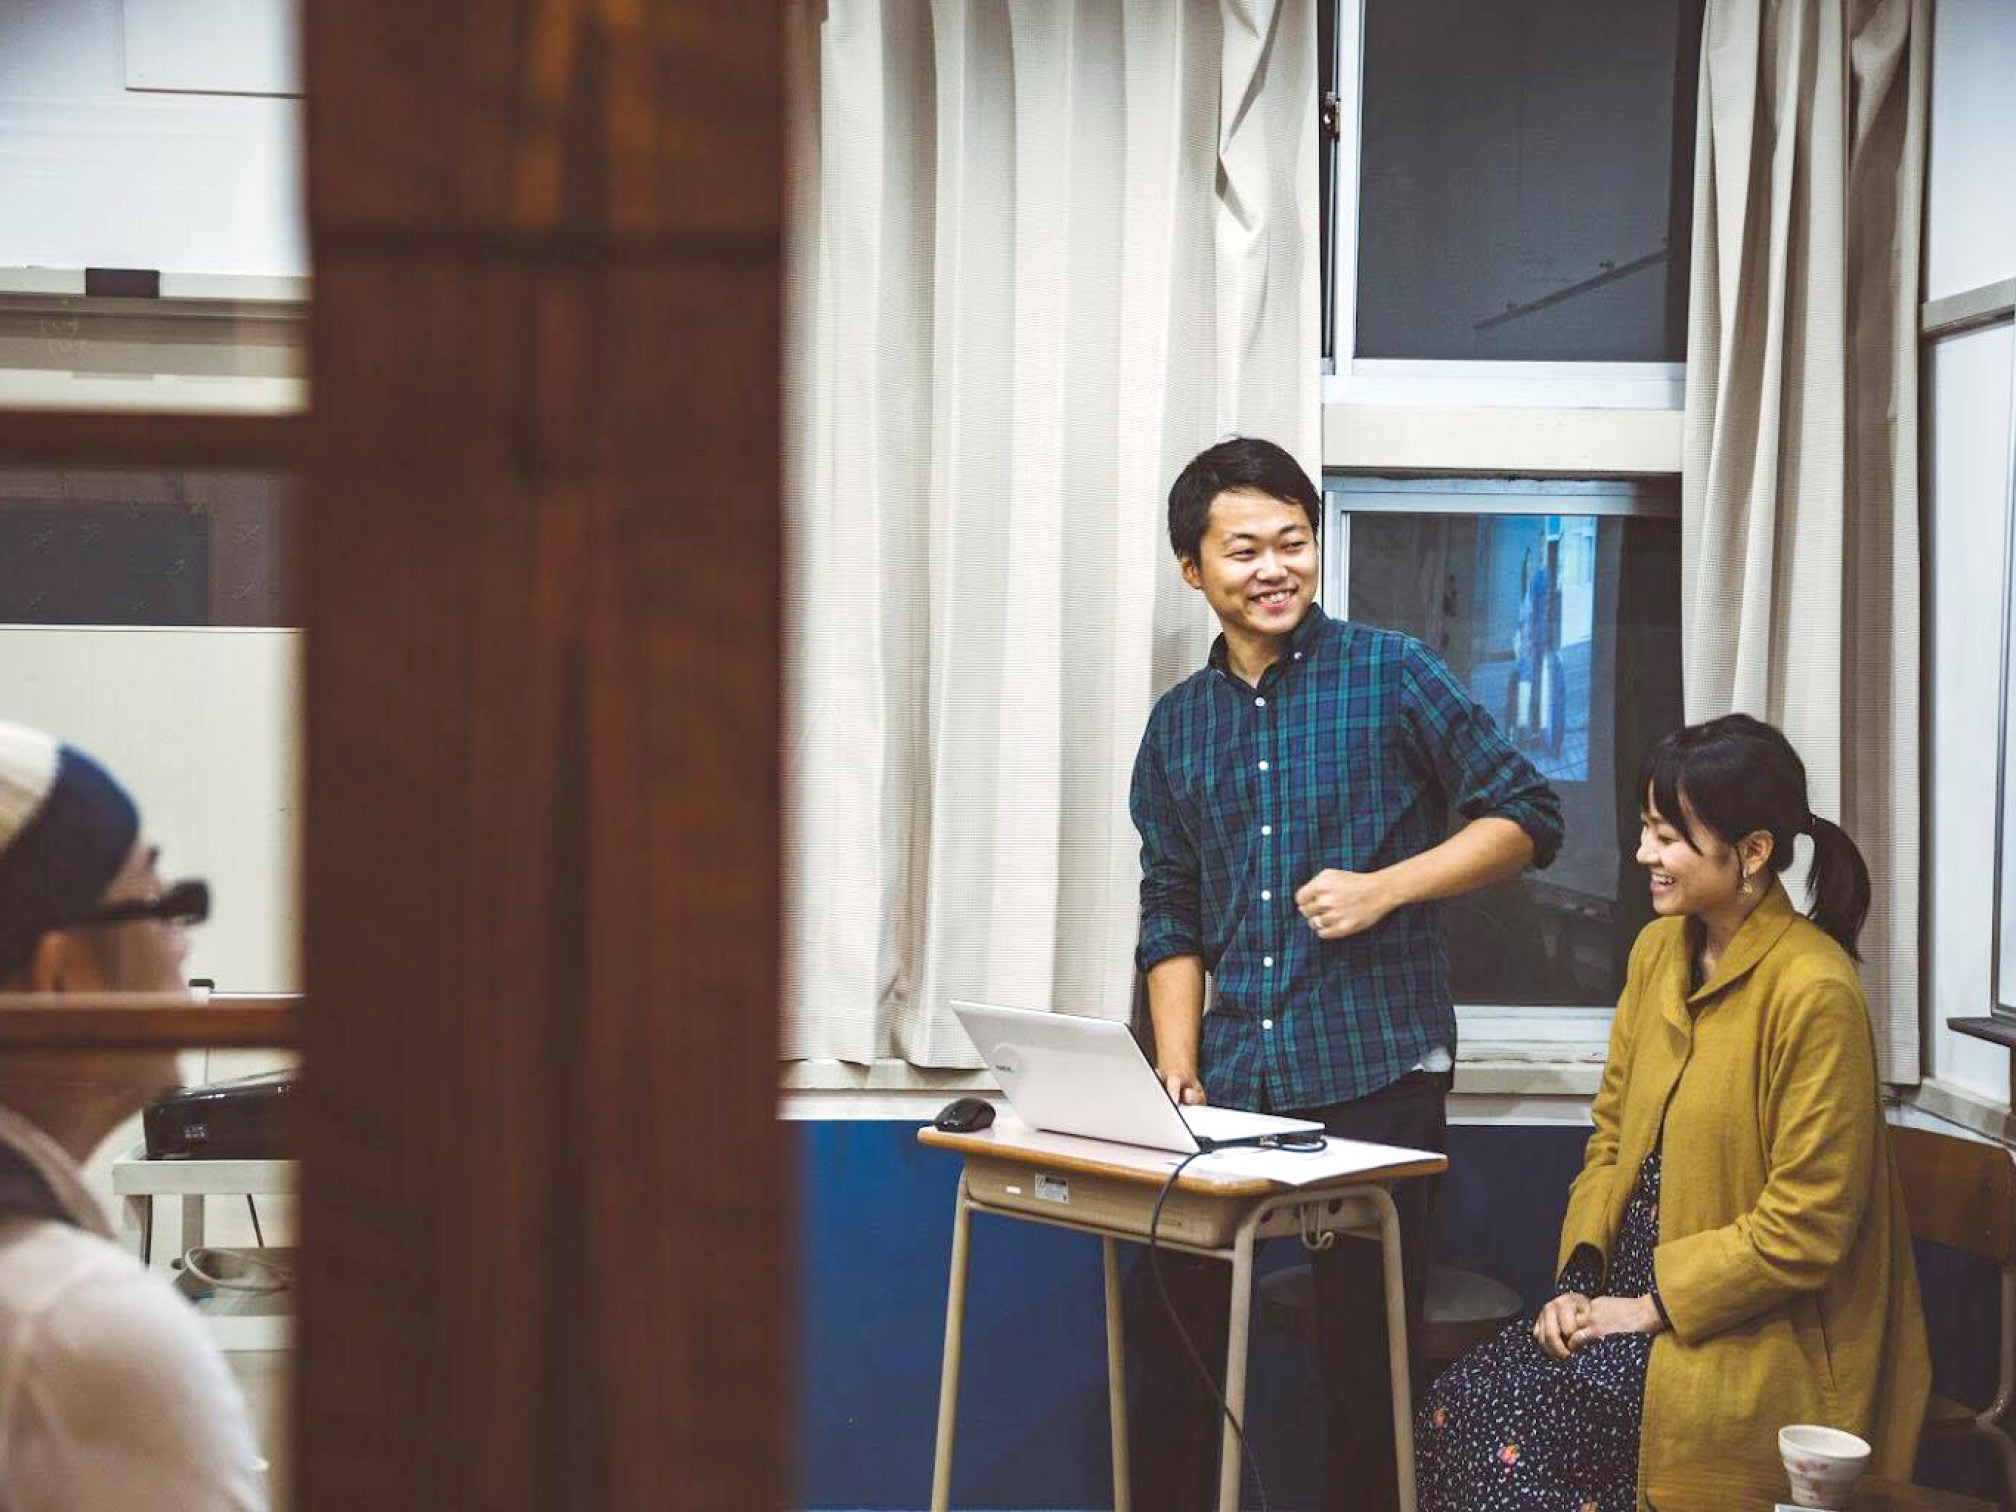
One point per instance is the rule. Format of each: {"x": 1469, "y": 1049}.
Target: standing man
{"x": 1294, "y": 800}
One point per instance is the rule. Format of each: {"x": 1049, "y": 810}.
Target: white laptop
{"x": 1075, "y": 1075}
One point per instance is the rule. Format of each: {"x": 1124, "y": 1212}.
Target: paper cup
{"x": 1822, "y": 1463}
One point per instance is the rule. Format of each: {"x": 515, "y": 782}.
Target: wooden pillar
{"x": 544, "y": 1197}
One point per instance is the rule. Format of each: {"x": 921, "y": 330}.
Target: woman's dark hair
{"x": 1740, "y": 775}
{"x": 1242, "y": 462}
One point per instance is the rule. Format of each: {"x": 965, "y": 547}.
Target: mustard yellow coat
{"x": 1784, "y": 1256}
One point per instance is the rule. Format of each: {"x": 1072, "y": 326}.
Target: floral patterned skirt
{"x": 1508, "y": 1428}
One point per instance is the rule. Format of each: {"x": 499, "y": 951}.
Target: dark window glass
{"x": 1566, "y": 628}
{"x": 1526, "y": 179}
{"x": 98, "y": 547}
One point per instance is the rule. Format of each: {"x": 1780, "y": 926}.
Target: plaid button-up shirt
{"x": 1350, "y": 753}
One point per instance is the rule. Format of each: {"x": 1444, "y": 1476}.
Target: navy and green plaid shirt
{"x": 1350, "y": 753}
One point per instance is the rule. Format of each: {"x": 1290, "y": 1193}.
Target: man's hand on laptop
{"x": 1182, "y": 1085}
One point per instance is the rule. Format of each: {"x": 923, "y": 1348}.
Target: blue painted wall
{"x": 874, "y": 1250}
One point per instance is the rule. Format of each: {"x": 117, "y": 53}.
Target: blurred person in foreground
{"x": 112, "y": 1395}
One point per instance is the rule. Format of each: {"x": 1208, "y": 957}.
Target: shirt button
{"x": 1259, "y": 703}
{"x": 1298, "y": 656}
{"x": 1268, "y": 962}
{"x": 1263, "y": 766}
{"x": 1266, "y": 895}
{"x": 1266, "y": 829}
{"x": 1266, "y": 1023}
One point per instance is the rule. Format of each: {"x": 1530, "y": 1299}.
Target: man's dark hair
{"x": 1242, "y": 462}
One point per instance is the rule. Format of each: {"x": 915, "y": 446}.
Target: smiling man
{"x": 1295, "y": 800}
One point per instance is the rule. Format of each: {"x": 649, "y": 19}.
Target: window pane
{"x": 101, "y": 547}
{"x": 1566, "y": 629}
{"x": 1526, "y": 179}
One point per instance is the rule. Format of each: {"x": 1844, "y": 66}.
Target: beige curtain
{"x": 1800, "y": 488}
{"x": 1039, "y": 255}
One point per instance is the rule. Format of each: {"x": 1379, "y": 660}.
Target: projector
{"x": 241, "y": 1119}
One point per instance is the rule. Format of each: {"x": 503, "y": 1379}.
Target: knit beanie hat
{"x": 66, "y": 827}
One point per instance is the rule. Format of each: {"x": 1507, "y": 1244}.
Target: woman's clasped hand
{"x": 1572, "y": 1320}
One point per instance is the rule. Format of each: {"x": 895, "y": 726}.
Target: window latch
{"x": 1331, "y": 115}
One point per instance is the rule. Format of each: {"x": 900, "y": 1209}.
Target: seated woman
{"x": 1735, "y": 1255}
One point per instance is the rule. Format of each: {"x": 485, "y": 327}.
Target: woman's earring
{"x": 1748, "y": 884}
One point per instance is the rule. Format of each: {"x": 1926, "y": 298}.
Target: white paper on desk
{"x": 1338, "y": 1158}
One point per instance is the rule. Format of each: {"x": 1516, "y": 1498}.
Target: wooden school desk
{"x": 1222, "y": 1208}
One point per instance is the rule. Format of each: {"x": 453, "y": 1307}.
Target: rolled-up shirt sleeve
{"x": 1482, "y": 773}
{"x": 1169, "y": 876}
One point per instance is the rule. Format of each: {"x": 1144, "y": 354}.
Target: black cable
{"x": 1205, "y": 1147}
{"x": 256, "y": 1234}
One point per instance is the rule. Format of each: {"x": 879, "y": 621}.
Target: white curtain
{"x": 1039, "y": 254}
{"x": 1800, "y": 486}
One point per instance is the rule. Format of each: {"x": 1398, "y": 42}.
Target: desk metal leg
{"x": 1396, "y": 1340}
{"x": 192, "y": 1224}
{"x": 136, "y": 1223}
{"x": 1116, "y": 1373}
{"x": 1231, "y": 1459}
{"x": 948, "y": 1380}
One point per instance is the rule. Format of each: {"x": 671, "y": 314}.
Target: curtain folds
{"x": 1037, "y": 257}
{"x": 1800, "y": 556}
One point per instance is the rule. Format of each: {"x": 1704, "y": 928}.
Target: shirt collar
{"x": 1301, "y": 641}
{"x": 1764, "y": 928}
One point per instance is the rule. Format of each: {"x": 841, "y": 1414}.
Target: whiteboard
{"x": 250, "y": 47}
{"x": 201, "y": 172}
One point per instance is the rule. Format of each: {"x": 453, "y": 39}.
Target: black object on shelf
{"x": 122, "y": 283}
{"x": 246, "y": 1118}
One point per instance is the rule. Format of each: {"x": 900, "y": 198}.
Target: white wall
{"x": 1970, "y": 241}
{"x": 204, "y": 727}
{"x": 94, "y": 174}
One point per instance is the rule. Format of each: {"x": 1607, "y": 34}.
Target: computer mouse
{"x": 964, "y": 1115}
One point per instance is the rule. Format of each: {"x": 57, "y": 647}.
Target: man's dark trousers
{"x": 1175, "y": 1425}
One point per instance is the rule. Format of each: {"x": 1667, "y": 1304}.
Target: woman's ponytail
{"x": 1837, "y": 884}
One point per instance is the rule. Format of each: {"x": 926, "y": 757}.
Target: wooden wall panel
{"x": 88, "y": 438}
{"x": 599, "y": 121}
{"x": 544, "y": 1200}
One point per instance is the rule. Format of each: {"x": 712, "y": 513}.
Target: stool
{"x": 1461, "y": 1311}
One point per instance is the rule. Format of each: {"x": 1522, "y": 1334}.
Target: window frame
{"x": 2001, "y": 998}
{"x": 1349, "y": 379}
{"x": 1486, "y": 1029}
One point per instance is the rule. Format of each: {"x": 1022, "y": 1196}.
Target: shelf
{"x": 246, "y": 1321}
{"x": 178, "y": 292}
{"x": 134, "y": 1175}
